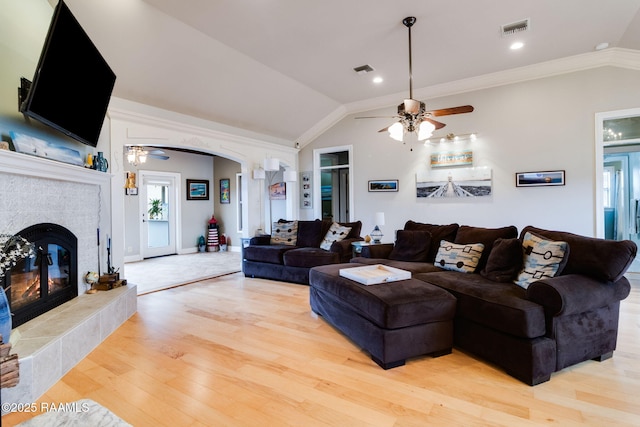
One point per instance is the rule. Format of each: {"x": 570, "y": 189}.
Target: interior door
{"x": 158, "y": 213}
{"x": 333, "y": 171}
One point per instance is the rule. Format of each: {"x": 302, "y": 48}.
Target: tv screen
{"x": 72, "y": 84}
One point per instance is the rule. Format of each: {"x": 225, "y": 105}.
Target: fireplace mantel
{"x": 25, "y": 164}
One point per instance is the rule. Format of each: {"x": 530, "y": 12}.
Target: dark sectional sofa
{"x": 269, "y": 259}
{"x": 530, "y": 332}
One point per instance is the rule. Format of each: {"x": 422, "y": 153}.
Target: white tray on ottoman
{"x": 375, "y": 274}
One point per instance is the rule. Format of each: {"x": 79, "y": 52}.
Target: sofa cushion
{"x": 461, "y": 258}
{"x": 284, "y": 233}
{"x": 438, "y": 232}
{"x": 500, "y": 306}
{"x": 356, "y": 228}
{"x": 271, "y": 254}
{"x": 309, "y": 234}
{"x": 309, "y": 257}
{"x": 336, "y": 233}
{"x": 486, "y": 236}
{"x": 411, "y": 245}
{"x": 605, "y": 260}
{"x": 542, "y": 259}
{"x": 504, "y": 261}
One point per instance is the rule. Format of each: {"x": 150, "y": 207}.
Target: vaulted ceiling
{"x": 282, "y": 67}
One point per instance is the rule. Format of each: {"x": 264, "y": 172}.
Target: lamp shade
{"x": 271, "y": 164}
{"x": 290, "y": 176}
{"x": 379, "y": 218}
{"x": 396, "y": 131}
{"x": 425, "y": 130}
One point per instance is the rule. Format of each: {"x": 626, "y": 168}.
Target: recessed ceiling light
{"x": 516, "y": 45}
{"x": 601, "y": 46}
{"x": 378, "y": 80}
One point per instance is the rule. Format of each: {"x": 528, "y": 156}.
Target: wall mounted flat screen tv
{"x": 72, "y": 84}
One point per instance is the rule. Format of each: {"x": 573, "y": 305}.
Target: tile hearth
{"x": 53, "y": 343}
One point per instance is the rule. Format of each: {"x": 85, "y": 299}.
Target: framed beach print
{"x": 383, "y": 185}
{"x": 197, "y": 189}
{"x": 278, "y": 191}
{"x": 225, "y": 191}
{"x": 540, "y": 179}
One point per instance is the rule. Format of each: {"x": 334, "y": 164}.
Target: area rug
{"x": 82, "y": 413}
{"x": 160, "y": 273}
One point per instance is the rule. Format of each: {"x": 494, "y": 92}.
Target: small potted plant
{"x": 155, "y": 210}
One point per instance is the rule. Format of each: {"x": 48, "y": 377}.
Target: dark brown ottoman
{"x": 392, "y": 321}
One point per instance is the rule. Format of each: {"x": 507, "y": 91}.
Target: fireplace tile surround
{"x": 36, "y": 190}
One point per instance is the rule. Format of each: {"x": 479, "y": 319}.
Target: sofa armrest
{"x": 343, "y": 248}
{"x": 380, "y": 250}
{"x": 262, "y": 240}
{"x": 576, "y": 293}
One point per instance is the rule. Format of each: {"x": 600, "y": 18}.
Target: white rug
{"x": 82, "y": 413}
{"x": 155, "y": 274}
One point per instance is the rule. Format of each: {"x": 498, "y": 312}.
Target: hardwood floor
{"x": 246, "y": 352}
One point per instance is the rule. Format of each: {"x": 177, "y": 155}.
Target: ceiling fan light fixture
{"x": 411, "y": 106}
{"x": 396, "y": 131}
{"x": 425, "y": 130}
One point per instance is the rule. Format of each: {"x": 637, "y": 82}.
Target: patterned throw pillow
{"x": 284, "y": 233}
{"x": 336, "y": 233}
{"x": 542, "y": 259}
{"x": 459, "y": 257}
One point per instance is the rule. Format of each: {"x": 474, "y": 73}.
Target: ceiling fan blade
{"x": 437, "y": 124}
{"x": 386, "y": 129}
{"x": 158, "y": 156}
{"x": 451, "y": 111}
{"x": 377, "y": 117}
{"x": 155, "y": 151}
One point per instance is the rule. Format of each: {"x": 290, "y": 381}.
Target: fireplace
{"x": 39, "y": 284}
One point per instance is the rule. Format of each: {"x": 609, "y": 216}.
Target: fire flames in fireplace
{"x": 39, "y": 284}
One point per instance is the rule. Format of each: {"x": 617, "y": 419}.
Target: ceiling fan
{"x": 137, "y": 154}
{"x": 412, "y": 114}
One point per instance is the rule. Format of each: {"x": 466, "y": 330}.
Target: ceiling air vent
{"x": 363, "y": 69}
{"x": 515, "y": 27}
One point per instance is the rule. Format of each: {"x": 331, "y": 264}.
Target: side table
{"x": 356, "y": 248}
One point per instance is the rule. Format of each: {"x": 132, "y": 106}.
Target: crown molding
{"x": 615, "y": 57}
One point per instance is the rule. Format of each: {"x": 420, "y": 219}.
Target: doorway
{"x": 618, "y": 204}
{"x": 158, "y": 213}
{"x": 334, "y": 182}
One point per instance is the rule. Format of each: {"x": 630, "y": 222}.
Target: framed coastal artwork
{"x": 540, "y": 179}
{"x": 225, "y": 191}
{"x": 197, "y": 189}
{"x": 383, "y": 185}
{"x": 454, "y": 184}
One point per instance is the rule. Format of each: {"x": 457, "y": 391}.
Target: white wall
{"x": 544, "y": 124}
{"x": 194, "y": 213}
{"x": 227, "y": 213}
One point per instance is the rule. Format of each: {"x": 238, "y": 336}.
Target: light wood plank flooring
{"x": 246, "y": 352}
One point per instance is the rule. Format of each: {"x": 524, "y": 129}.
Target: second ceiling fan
{"x": 412, "y": 114}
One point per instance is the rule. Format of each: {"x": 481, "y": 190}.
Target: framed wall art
{"x": 306, "y": 190}
{"x": 452, "y": 158}
{"x": 386, "y": 185}
{"x": 197, "y": 189}
{"x": 225, "y": 191}
{"x": 278, "y": 191}
{"x": 540, "y": 179}
{"x": 454, "y": 184}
